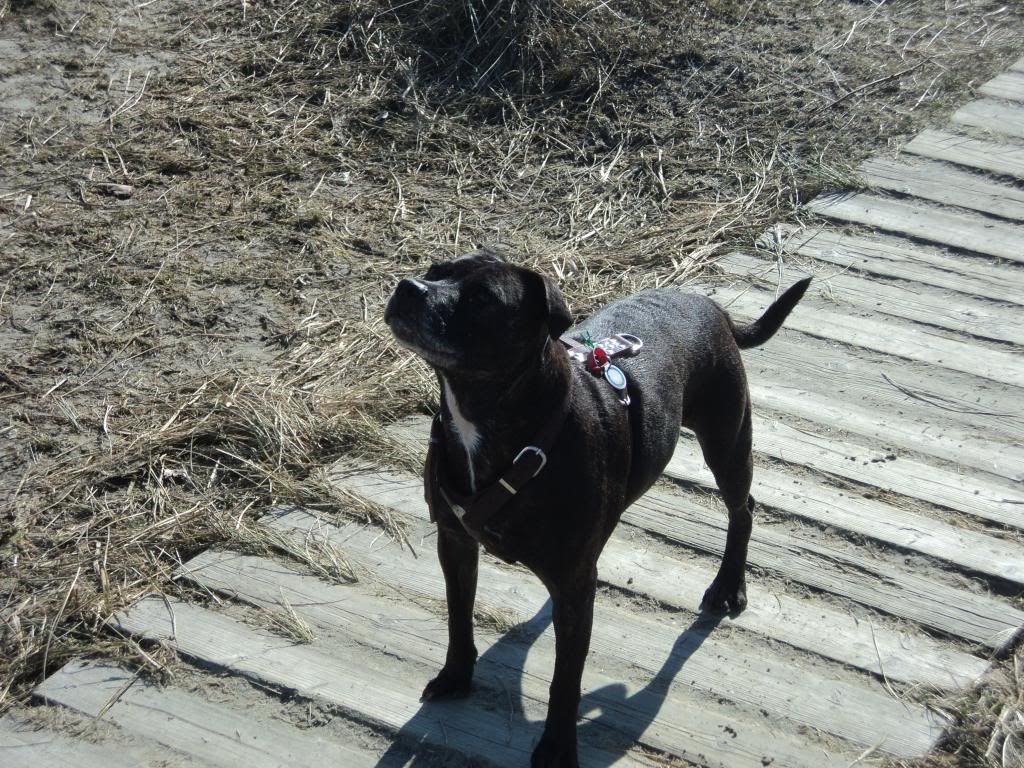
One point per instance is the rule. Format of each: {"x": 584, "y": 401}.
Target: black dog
{"x": 535, "y": 458}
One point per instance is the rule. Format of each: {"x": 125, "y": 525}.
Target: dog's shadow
{"x": 612, "y": 720}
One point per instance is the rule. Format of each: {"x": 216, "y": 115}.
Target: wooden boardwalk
{"x": 886, "y": 565}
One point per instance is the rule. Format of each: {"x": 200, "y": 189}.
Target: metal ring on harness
{"x": 539, "y": 452}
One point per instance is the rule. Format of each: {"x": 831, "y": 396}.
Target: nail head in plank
{"x": 943, "y": 226}
{"x": 1003, "y": 159}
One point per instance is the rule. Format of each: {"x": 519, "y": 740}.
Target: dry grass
{"x": 200, "y": 221}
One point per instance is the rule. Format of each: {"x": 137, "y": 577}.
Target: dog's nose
{"x": 408, "y": 293}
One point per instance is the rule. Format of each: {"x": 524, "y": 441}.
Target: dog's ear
{"x": 558, "y": 316}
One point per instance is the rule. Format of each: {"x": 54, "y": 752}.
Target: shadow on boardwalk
{"x": 613, "y": 720}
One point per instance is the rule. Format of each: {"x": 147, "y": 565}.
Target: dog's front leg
{"x": 573, "y": 616}
{"x": 459, "y": 554}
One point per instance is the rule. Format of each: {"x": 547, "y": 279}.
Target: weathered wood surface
{"x": 908, "y": 300}
{"x": 884, "y": 335}
{"x": 992, "y": 116}
{"x": 1000, "y": 158}
{"x": 822, "y": 503}
{"x": 25, "y": 744}
{"x": 930, "y": 180}
{"x": 1008, "y": 85}
{"x": 374, "y": 685}
{"x": 515, "y": 663}
{"x": 858, "y": 712}
{"x": 894, "y": 257}
{"x": 186, "y": 724}
{"x": 801, "y": 623}
{"x": 945, "y": 226}
{"x": 848, "y": 574}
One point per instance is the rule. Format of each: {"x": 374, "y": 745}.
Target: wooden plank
{"x": 899, "y": 258}
{"x": 373, "y": 686}
{"x": 188, "y": 724}
{"x": 958, "y": 446}
{"x": 1007, "y": 85}
{"x": 800, "y": 694}
{"x": 517, "y": 661}
{"x": 993, "y": 116}
{"x": 812, "y": 499}
{"x": 26, "y": 745}
{"x": 871, "y": 582}
{"x": 1003, "y": 159}
{"x": 944, "y": 226}
{"x": 944, "y": 184}
{"x": 868, "y": 581}
{"x": 805, "y": 624}
{"x": 909, "y": 301}
{"x": 984, "y": 497}
{"x": 883, "y": 336}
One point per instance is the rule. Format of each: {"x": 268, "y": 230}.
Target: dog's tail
{"x": 762, "y": 329}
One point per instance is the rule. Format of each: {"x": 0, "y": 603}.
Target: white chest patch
{"x": 468, "y": 434}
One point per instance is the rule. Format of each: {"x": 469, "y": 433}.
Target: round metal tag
{"x": 615, "y": 377}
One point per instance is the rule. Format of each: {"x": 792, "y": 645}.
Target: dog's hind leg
{"x": 459, "y": 554}
{"x": 728, "y": 454}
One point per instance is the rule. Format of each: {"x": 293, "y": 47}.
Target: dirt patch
{"x": 202, "y": 214}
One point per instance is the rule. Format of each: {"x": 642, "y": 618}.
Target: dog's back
{"x": 690, "y": 363}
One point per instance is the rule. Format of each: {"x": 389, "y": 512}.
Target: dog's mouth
{"x": 411, "y": 336}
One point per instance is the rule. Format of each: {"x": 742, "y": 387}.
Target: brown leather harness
{"x": 476, "y": 512}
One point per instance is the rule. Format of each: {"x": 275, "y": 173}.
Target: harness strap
{"x": 475, "y": 512}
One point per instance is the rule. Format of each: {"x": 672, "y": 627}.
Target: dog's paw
{"x": 449, "y": 684}
{"x": 725, "y": 596}
{"x": 555, "y": 753}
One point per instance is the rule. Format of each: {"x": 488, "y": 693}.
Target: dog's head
{"x": 477, "y": 314}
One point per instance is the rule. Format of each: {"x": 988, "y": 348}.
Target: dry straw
{"x": 195, "y": 251}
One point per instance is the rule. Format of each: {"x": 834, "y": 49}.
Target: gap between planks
{"x": 895, "y": 257}
{"x": 870, "y": 582}
{"x": 910, "y": 301}
{"x": 801, "y": 623}
{"x": 213, "y": 733}
{"x": 949, "y": 227}
{"x": 373, "y": 686}
{"x": 1000, "y": 158}
{"x": 944, "y": 184}
{"x": 520, "y": 661}
{"x": 802, "y": 695}
{"x": 992, "y": 116}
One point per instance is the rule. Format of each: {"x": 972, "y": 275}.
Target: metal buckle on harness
{"x": 539, "y": 452}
